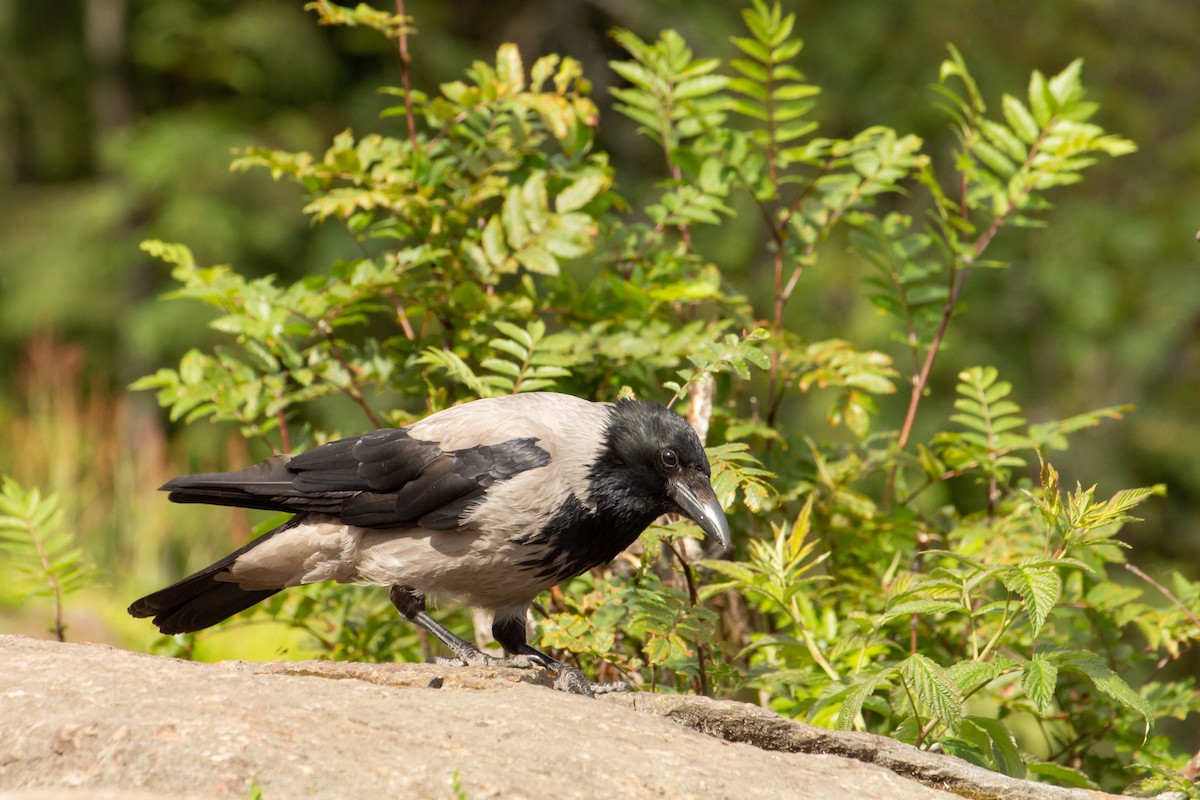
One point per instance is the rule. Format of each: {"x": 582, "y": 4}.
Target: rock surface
{"x": 87, "y": 721}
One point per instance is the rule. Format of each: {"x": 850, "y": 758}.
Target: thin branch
{"x": 402, "y": 317}
{"x": 405, "y": 65}
{"x": 1004, "y": 622}
{"x": 56, "y": 593}
{"x": 352, "y": 389}
{"x": 927, "y": 729}
{"x": 1165, "y": 593}
{"x": 246, "y": 422}
{"x": 957, "y": 279}
{"x": 774, "y": 390}
{"x": 694, "y": 599}
{"x": 458, "y": 120}
{"x": 664, "y": 121}
{"x": 285, "y": 437}
{"x": 912, "y": 701}
{"x": 1096, "y": 734}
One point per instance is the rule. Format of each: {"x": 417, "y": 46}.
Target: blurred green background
{"x": 117, "y": 118}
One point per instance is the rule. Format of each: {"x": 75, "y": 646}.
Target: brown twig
{"x": 957, "y": 279}
{"x": 56, "y": 592}
{"x": 405, "y": 64}
{"x": 402, "y": 317}
{"x": 352, "y": 389}
{"x": 285, "y": 437}
{"x": 1165, "y": 593}
{"x": 694, "y": 599}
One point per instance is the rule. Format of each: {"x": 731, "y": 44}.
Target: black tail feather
{"x": 268, "y": 486}
{"x": 203, "y": 599}
{"x": 200, "y": 602}
{"x": 249, "y": 488}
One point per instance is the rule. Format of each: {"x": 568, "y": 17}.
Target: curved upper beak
{"x": 699, "y": 502}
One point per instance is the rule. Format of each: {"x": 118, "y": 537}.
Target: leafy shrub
{"x": 943, "y": 588}
{"x": 46, "y": 563}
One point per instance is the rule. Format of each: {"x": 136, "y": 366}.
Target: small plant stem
{"x": 987, "y": 648}
{"x": 1095, "y": 733}
{"x": 912, "y": 701}
{"x": 1165, "y": 592}
{"x": 811, "y": 644}
{"x": 927, "y": 729}
{"x": 55, "y": 587}
{"x": 922, "y": 379}
{"x": 773, "y": 389}
{"x": 405, "y": 68}
{"x": 694, "y": 600}
{"x": 402, "y": 317}
{"x": 960, "y": 268}
{"x": 352, "y": 389}
{"x": 285, "y": 437}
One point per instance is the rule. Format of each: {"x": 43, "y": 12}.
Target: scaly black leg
{"x": 510, "y": 633}
{"x": 411, "y": 605}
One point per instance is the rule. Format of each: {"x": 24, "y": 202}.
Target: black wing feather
{"x": 381, "y": 461}
{"x": 384, "y": 479}
{"x": 390, "y": 458}
{"x": 269, "y": 486}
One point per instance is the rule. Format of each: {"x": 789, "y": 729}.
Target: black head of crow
{"x": 490, "y": 502}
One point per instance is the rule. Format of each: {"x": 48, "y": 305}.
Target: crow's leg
{"x": 510, "y": 633}
{"x": 411, "y": 605}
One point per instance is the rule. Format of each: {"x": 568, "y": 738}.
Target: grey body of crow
{"x": 488, "y": 503}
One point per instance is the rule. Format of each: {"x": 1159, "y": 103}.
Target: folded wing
{"x": 384, "y": 479}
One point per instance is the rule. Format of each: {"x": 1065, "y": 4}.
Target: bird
{"x": 488, "y": 503}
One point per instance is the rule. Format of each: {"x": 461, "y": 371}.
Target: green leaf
{"x": 1039, "y": 589}
{"x": 1020, "y": 119}
{"x": 863, "y": 687}
{"x": 535, "y": 259}
{"x": 494, "y": 246}
{"x": 1059, "y": 775}
{"x": 527, "y": 337}
{"x": 911, "y": 607}
{"x": 936, "y": 693}
{"x": 1041, "y": 101}
{"x": 1106, "y": 681}
{"x": 1066, "y": 87}
{"x": 456, "y": 368}
{"x": 176, "y": 254}
{"x": 699, "y": 87}
{"x": 581, "y": 192}
{"x": 1004, "y": 748}
{"x": 971, "y": 676}
{"x": 1039, "y": 677}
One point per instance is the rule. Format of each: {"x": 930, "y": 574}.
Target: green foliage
{"x": 1162, "y": 782}
{"x": 47, "y": 562}
{"x": 522, "y": 362}
{"x": 923, "y": 581}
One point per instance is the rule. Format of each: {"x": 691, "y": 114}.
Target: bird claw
{"x": 611, "y": 688}
{"x": 479, "y": 659}
{"x": 566, "y": 679}
{"x": 573, "y": 681}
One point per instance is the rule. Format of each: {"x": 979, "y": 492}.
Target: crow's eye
{"x": 669, "y": 459}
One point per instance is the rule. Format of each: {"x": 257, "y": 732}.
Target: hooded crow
{"x": 489, "y": 503}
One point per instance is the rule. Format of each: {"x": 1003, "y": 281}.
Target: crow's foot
{"x": 481, "y": 659}
{"x": 566, "y": 679}
{"x": 573, "y": 681}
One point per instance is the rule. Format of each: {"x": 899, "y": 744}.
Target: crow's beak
{"x": 698, "y": 500}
